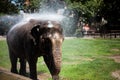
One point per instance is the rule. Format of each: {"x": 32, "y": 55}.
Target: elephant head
{"x": 47, "y": 35}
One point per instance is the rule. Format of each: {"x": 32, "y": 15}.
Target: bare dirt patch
{"x": 43, "y": 76}
{"x": 77, "y": 60}
{"x": 6, "y": 75}
{"x": 116, "y": 58}
{"x": 116, "y": 74}
{"x": 115, "y": 49}
{"x": 2, "y": 38}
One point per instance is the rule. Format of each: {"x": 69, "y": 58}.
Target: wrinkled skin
{"x": 31, "y": 40}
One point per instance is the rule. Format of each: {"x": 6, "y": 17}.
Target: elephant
{"x": 29, "y": 40}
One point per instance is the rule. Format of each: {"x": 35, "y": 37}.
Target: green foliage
{"x": 7, "y": 7}
{"x": 88, "y": 7}
{"x": 34, "y": 5}
{"x": 111, "y": 10}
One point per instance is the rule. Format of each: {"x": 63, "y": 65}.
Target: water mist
{"x": 55, "y": 10}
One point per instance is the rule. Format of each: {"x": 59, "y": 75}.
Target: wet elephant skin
{"x": 35, "y": 38}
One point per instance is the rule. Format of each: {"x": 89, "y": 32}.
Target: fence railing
{"x": 108, "y": 34}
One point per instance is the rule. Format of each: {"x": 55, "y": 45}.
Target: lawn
{"x": 82, "y": 59}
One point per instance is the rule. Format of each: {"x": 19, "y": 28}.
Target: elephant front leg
{"x": 32, "y": 64}
{"x": 22, "y": 67}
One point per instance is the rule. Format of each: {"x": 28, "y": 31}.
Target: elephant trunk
{"x": 53, "y": 61}
{"x": 57, "y": 59}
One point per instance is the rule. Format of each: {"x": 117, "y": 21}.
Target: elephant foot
{"x": 55, "y": 77}
{"x": 14, "y": 71}
{"x": 35, "y": 79}
{"x": 23, "y": 73}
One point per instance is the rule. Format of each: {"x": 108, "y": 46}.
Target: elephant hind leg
{"x": 13, "y": 60}
{"x": 22, "y": 70}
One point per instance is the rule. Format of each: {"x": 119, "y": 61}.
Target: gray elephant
{"x": 29, "y": 40}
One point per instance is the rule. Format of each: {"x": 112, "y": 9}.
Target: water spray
{"x": 50, "y": 25}
{"x": 53, "y": 11}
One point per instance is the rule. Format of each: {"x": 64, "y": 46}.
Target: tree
{"x": 33, "y": 5}
{"x": 84, "y": 11}
{"x": 87, "y": 7}
{"x": 7, "y": 7}
{"x": 111, "y": 11}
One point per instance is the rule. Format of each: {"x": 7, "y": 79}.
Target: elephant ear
{"x": 35, "y": 32}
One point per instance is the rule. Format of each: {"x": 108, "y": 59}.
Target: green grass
{"x": 87, "y": 59}
{"x": 82, "y": 59}
{"x": 4, "y": 59}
